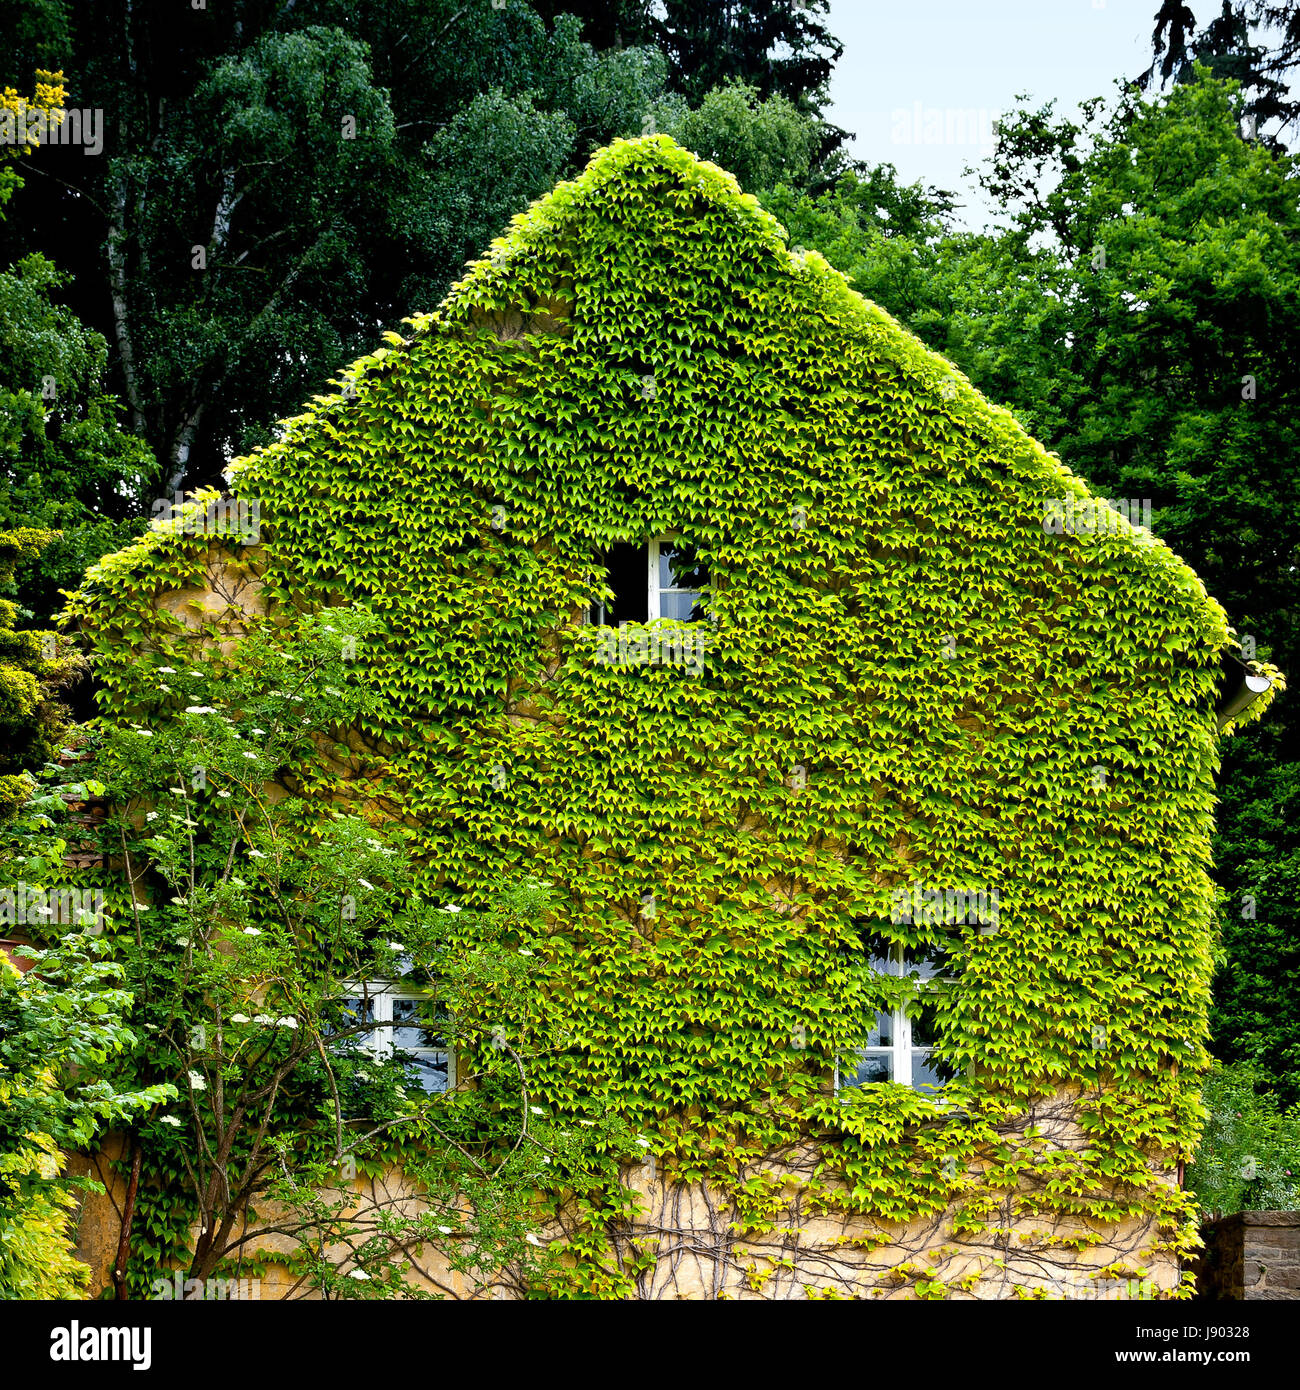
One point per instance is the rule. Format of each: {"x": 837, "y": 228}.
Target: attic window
{"x": 899, "y": 1046}
{"x": 400, "y": 1027}
{"x": 663, "y": 579}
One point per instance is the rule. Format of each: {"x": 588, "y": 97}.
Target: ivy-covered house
{"x": 869, "y": 758}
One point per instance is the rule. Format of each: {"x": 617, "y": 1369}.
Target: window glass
{"x": 415, "y": 1034}
{"x": 356, "y": 1010}
{"x": 430, "y": 1060}
{"x": 431, "y": 1071}
{"x": 925, "y": 1077}
{"x": 882, "y": 1035}
{"x": 681, "y": 577}
{"x": 924, "y": 1027}
{"x": 871, "y": 1066}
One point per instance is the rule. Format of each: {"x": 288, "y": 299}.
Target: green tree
{"x": 1226, "y": 47}
{"x": 278, "y": 181}
{"x": 66, "y": 465}
{"x": 35, "y": 666}
{"x": 762, "y": 142}
{"x": 61, "y": 1024}
{"x": 1249, "y": 1155}
{"x": 252, "y": 958}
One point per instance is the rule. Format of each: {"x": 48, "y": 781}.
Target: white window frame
{"x": 901, "y": 1051}
{"x": 378, "y": 1041}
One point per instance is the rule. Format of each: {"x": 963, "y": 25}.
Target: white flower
{"x": 357, "y": 1274}
{"x": 288, "y": 1021}
{"x": 249, "y": 755}
{"x": 252, "y": 931}
{"x": 537, "y": 1110}
{"x": 177, "y": 791}
{"x": 196, "y": 673}
{"x": 152, "y": 815}
{"x": 263, "y": 1018}
{"x": 180, "y": 902}
{"x": 256, "y": 854}
{"x": 449, "y": 909}
{"x": 446, "y": 1230}
{"x": 645, "y": 1143}
{"x": 197, "y": 1082}
{"x": 532, "y": 1239}
{"x": 396, "y": 946}
{"x": 364, "y": 884}
{"x": 523, "y": 952}
{"x": 169, "y": 1120}
{"x": 259, "y": 731}
{"x": 182, "y": 941}
{"x": 145, "y": 733}
{"x": 546, "y": 1160}
{"x": 329, "y": 629}
{"x": 167, "y": 688}
{"x": 199, "y": 709}
{"x": 223, "y": 793}
{"x": 167, "y": 670}
{"x": 239, "y": 1018}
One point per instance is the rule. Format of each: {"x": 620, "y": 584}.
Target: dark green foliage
{"x": 66, "y": 464}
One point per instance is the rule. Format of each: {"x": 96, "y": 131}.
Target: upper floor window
{"x": 400, "y": 1026}
{"x": 663, "y": 579}
{"x": 900, "y": 1045}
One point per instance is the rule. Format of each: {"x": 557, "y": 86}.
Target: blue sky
{"x": 914, "y": 70}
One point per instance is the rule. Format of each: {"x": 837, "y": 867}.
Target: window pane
{"x": 680, "y": 605}
{"x": 925, "y": 1077}
{"x": 924, "y": 1026}
{"x": 926, "y": 963}
{"x": 679, "y": 567}
{"x": 871, "y": 1066}
{"x": 882, "y": 1035}
{"x": 431, "y": 1071}
{"x": 415, "y": 1033}
{"x": 357, "y": 1010}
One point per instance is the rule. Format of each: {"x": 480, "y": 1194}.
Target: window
{"x": 663, "y": 579}
{"x": 676, "y": 579}
{"x": 898, "y": 1046}
{"x": 400, "y": 1027}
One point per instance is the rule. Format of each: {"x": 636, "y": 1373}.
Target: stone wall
{"x": 702, "y": 1251}
{"x": 1251, "y": 1255}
